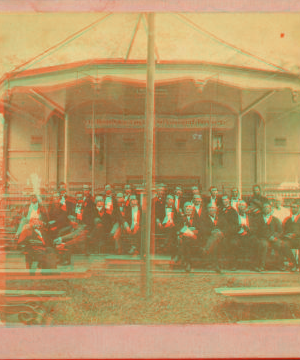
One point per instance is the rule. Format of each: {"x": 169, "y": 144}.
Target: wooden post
{"x": 239, "y": 154}
{"x": 66, "y": 152}
{"x": 149, "y": 140}
{"x": 93, "y": 149}
{"x": 210, "y": 150}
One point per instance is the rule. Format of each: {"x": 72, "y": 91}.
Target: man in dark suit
{"x": 88, "y": 207}
{"x": 76, "y": 239}
{"x": 211, "y": 235}
{"x": 228, "y": 224}
{"x": 37, "y": 246}
{"x": 178, "y": 203}
{"x": 119, "y": 221}
{"x": 187, "y": 231}
{"x": 268, "y": 232}
{"x": 58, "y": 218}
{"x": 127, "y": 193}
{"x": 134, "y": 220}
{"x": 256, "y": 201}
{"x": 291, "y": 228}
{"x": 213, "y": 199}
{"x": 198, "y": 208}
{"x": 102, "y": 225}
{"x": 234, "y": 199}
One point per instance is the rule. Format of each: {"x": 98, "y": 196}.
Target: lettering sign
{"x": 221, "y": 122}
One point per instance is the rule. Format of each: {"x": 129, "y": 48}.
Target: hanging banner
{"x": 222, "y": 122}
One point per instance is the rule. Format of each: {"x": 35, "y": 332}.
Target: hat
{"x": 119, "y": 195}
{"x": 170, "y": 197}
{"x": 107, "y": 187}
{"x": 178, "y": 188}
{"x": 99, "y": 198}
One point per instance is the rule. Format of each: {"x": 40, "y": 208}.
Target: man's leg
{"x": 262, "y": 253}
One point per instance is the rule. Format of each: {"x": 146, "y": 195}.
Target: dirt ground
{"x": 176, "y": 299}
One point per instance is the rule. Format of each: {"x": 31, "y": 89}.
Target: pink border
{"x": 223, "y": 341}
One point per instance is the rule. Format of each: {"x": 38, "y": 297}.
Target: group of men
{"x": 83, "y": 224}
{"x": 188, "y": 223}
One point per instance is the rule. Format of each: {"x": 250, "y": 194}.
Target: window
{"x": 280, "y": 141}
{"x": 217, "y": 150}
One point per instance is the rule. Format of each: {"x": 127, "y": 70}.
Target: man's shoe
{"x": 188, "y": 267}
{"x": 132, "y": 250}
{"x": 218, "y": 270}
{"x": 257, "y": 269}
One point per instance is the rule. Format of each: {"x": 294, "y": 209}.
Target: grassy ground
{"x": 177, "y": 299}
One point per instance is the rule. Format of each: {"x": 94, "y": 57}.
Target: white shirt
{"x": 134, "y": 212}
{"x": 168, "y": 215}
{"x": 266, "y": 218}
{"x": 176, "y": 202}
{"x": 212, "y": 219}
{"x": 33, "y": 212}
{"x": 108, "y": 203}
{"x": 243, "y": 220}
{"x": 234, "y": 203}
{"x": 282, "y": 213}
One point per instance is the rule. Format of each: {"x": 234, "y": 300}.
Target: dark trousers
{"x": 280, "y": 246}
{"x": 46, "y": 257}
{"x": 96, "y": 240}
{"x": 241, "y": 244}
{"x": 213, "y": 246}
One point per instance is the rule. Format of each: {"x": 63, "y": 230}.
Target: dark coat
{"x": 266, "y": 230}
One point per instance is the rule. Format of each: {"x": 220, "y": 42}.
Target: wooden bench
{"x": 34, "y": 306}
{"x": 29, "y": 305}
{"x": 261, "y": 295}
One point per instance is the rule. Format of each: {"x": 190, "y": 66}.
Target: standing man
{"x": 198, "y": 209}
{"x": 88, "y": 207}
{"x": 178, "y": 200}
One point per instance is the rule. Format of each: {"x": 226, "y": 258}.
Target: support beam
{"x": 93, "y": 148}
{"x": 66, "y": 152}
{"x": 149, "y": 137}
{"x": 47, "y": 102}
{"x": 258, "y": 101}
{"x": 239, "y": 154}
{"x": 265, "y": 154}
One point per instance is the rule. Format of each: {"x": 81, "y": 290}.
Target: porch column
{"x": 66, "y": 153}
{"x": 239, "y": 154}
{"x": 46, "y": 149}
{"x": 210, "y": 154}
{"x": 3, "y": 152}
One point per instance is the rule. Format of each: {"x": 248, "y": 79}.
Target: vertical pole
{"x": 47, "y": 144}
{"x": 210, "y": 149}
{"x": 56, "y": 128}
{"x": 66, "y": 152}
{"x": 265, "y": 154}
{"x": 149, "y": 136}
{"x": 257, "y": 154}
{"x": 239, "y": 154}
{"x": 93, "y": 149}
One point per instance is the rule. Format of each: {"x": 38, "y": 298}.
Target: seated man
{"x": 166, "y": 222}
{"x": 188, "y": 228}
{"x": 228, "y": 224}
{"x": 234, "y": 199}
{"x": 101, "y": 229}
{"x": 36, "y": 245}
{"x": 244, "y": 237}
{"x": 211, "y": 235}
{"x": 197, "y": 203}
{"x": 268, "y": 232}
{"x": 58, "y": 218}
{"x": 291, "y": 228}
{"x": 280, "y": 211}
{"x": 32, "y": 211}
{"x": 88, "y": 207}
{"x": 256, "y": 201}
{"x": 134, "y": 220}
{"x": 119, "y": 220}
{"x": 178, "y": 200}
{"x": 67, "y": 244}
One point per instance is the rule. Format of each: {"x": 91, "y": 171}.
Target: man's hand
{"x": 57, "y": 241}
{"x": 34, "y": 242}
{"x": 60, "y": 247}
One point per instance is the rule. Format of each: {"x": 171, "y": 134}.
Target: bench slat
{"x": 270, "y": 322}
{"x": 30, "y": 292}
{"x": 258, "y": 291}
